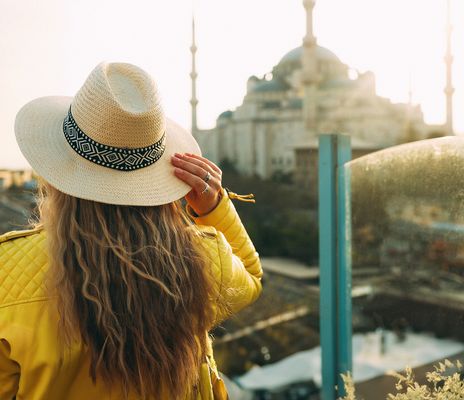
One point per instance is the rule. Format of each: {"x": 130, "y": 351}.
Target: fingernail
{"x": 177, "y": 171}
{"x": 178, "y": 155}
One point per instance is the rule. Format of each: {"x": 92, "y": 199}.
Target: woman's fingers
{"x": 180, "y": 162}
{"x": 190, "y": 179}
{"x": 199, "y": 168}
{"x": 203, "y": 176}
{"x": 205, "y": 160}
{"x": 200, "y": 163}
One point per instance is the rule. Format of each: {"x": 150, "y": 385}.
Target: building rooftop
{"x": 289, "y": 268}
{"x": 273, "y": 85}
{"x": 356, "y": 144}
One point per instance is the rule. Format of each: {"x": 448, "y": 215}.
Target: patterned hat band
{"x": 125, "y": 159}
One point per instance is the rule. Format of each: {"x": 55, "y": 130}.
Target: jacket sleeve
{"x": 241, "y": 269}
{"x": 9, "y": 373}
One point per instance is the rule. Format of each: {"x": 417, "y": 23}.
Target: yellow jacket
{"x": 32, "y": 363}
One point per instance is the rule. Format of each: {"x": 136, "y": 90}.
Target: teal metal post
{"x": 335, "y": 262}
{"x": 328, "y": 264}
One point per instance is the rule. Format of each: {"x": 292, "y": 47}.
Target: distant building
{"x": 16, "y": 178}
{"x": 310, "y": 91}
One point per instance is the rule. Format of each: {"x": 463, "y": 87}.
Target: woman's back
{"x": 113, "y": 294}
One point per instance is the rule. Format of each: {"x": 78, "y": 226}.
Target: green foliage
{"x": 282, "y": 177}
{"x": 283, "y": 222}
{"x": 228, "y": 167}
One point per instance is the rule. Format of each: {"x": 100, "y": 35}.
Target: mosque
{"x": 274, "y": 132}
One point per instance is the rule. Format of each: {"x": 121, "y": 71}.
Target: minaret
{"x": 193, "y": 76}
{"x": 309, "y": 73}
{"x": 449, "y": 90}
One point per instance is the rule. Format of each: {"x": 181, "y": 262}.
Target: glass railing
{"x": 407, "y": 247}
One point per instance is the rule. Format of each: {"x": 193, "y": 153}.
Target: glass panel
{"x": 408, "y": 256}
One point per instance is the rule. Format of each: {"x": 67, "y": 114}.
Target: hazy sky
{"x": 48, "y": 47}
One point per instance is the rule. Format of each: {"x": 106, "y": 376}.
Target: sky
{"x": 48, "y": 47}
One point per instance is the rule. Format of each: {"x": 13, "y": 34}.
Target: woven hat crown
{"x": 119, "y": 106}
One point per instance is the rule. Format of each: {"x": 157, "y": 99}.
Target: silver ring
{"x": 207, "y": 177}
{"x": 205, "y": 190}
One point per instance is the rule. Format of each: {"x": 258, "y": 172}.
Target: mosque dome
{"x": 295, "y": 55}
{"x": 329, "y": 65}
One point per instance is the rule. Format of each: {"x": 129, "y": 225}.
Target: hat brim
{"x": 39, "y": 133}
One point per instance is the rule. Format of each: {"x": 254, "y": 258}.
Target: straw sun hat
{"x": 110, "y": 143}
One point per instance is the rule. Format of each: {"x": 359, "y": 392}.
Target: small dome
{"x": 226, "y": 114}
{"x": 274, "y": 85}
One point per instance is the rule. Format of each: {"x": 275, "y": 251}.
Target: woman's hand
{"x": 203, "y": 176}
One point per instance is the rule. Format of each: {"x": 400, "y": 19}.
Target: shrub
{"x": 443, "y": 385}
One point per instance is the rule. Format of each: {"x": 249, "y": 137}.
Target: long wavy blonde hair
{"x": 132, "y": 285}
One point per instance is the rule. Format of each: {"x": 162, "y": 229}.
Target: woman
{"x": 113, "y": 292}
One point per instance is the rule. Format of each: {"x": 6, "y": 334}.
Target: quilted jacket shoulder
{"x": 20, "y": 233}
{"x": 23, "y": 262}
